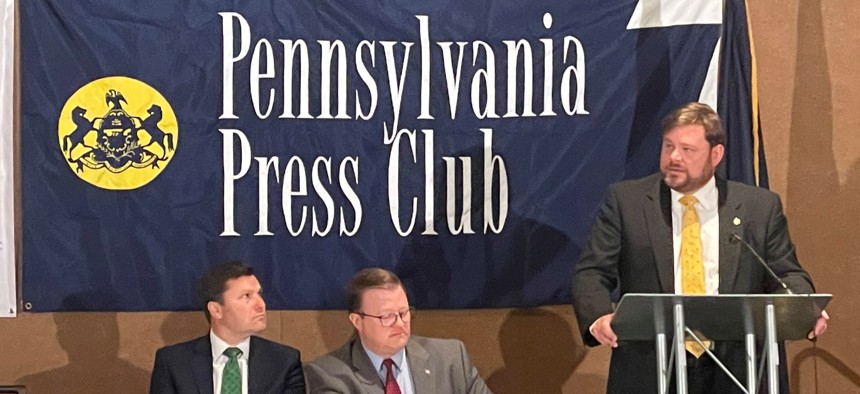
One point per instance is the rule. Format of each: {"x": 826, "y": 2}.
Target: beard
{"x": 681, "y": 181}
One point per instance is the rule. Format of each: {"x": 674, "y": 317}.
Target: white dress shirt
{"x": 706, "y": 207}
{"x": 219, "y": 360}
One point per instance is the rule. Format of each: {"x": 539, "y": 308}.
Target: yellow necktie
{"x": 692, "y": 267}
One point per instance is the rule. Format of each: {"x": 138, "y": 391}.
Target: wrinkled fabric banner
{"x": 464, "y": 146}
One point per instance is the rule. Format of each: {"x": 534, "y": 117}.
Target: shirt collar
{"x": 376, "y": 359}
{"x": 707, "y": 195}
{"x": 218, "y": 346}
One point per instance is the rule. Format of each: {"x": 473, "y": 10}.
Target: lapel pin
{"x": 427, "y": 371}
{"x": 736, "y": 221}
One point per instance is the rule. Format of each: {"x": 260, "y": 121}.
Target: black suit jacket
{"x": 186, "y": 368}
{"x": 630, "y": 247}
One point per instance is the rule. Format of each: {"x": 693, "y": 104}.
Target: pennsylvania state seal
{"x": 117, "y": 133}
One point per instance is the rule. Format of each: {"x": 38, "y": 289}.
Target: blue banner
{"x": 738, "y": 100}
{"x": 466, "y": 146}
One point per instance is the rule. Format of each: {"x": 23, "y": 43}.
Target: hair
{"x": 697, "y": 114}
{"x": 368, "y": 278}
{"x": 213, "y": 283}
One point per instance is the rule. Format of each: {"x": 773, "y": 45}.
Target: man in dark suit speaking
{"x": 231, "y": 358}
{"x": 384, "y": 357}
{"x": 674, "y": 232}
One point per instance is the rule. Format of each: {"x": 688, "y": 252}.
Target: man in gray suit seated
{"x": 383, "y": 357}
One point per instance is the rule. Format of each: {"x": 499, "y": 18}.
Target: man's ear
{"x": 717, "y": 153}
{"x": 214, "y": 310}
{"x": 356, "y": 321}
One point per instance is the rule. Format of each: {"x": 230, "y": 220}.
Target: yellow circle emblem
{"x": 117, "y": 133}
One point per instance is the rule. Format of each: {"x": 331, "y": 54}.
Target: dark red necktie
{"x": 391, "y": 386}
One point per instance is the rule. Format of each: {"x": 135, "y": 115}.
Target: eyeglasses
{"x": 390, "y": 319}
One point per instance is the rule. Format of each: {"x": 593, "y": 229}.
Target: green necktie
{"x": 231, "y": 378}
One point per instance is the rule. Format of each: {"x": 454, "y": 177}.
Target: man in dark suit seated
{"x": 384, "y": 357}
{"x": 231, "y": 358}
{"x": 674, "y": 232}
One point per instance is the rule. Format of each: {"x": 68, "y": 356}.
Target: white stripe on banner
{"x": 7, "y": 214}
{"x": 711, "y": 85}
{"x": 665, "y": 13}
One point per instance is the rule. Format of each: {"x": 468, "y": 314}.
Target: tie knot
{"x": 689, "y": 200}
{"x": 391, "y": 386}
{"x": 232, "y": 352}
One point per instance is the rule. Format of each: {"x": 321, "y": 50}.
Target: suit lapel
{"x": 658, "y": 219}
{"x": 258, "y": 368}
{"x": 201, "y": 364}
{"x": 363, "y": 369}
{"x": 420, "y": 368}
{"x": 731, "y": 222}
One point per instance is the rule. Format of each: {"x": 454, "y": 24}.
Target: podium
{"x": 729, "y": 317}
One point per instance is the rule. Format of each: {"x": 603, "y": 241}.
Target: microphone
{"x": 762, "y": 262}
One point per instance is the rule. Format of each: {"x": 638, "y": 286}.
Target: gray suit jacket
{"x": 436, "y": 366}
{"x": 630, "y": 248}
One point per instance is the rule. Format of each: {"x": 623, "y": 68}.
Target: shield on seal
{"x": 118, "y": 146}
